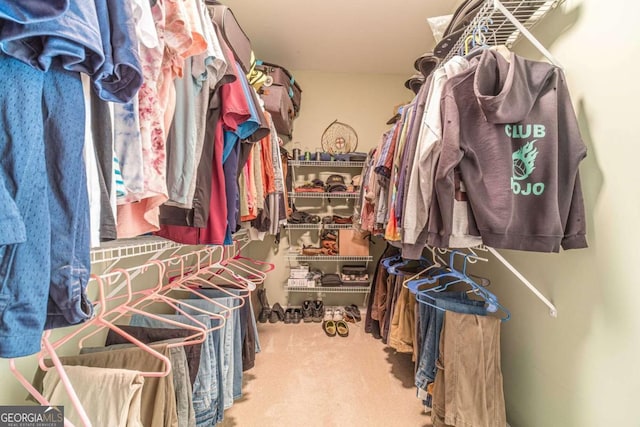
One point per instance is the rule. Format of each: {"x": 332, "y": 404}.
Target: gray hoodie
{"x": 510, "y": 129}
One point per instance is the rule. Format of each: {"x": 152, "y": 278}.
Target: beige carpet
{"x": 304, "y": 378}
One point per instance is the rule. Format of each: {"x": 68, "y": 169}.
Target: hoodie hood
{"x": 507, "y": 90}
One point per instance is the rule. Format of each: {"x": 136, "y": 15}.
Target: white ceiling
{"x": 359, "y": 36}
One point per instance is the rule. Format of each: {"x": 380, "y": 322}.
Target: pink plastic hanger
{"x": 161, "y": 294}
{"x": 100, "y": 321}
{"x": 193, "y": 282}
{"x": 46, "y": 346}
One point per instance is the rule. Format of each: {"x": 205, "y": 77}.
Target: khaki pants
{"x": 158, "y": 406}
{"x": 468, "y": 386}
{"x": 122, "y": 387}
{"x": 403, "y": 325}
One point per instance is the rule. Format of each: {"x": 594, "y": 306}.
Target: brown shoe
{"x": 311, "y": 251}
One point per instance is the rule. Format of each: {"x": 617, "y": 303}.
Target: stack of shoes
{"x": 301, "y": 217}
{"x": 316, "y": 186}
{"x": 277, "y": 313}
{"x": 265, "y": 312}
{"x": 334, "y": 323}
{"x": 352, "y": 313}
{"x": 311, "y": 250}
{"x": 329, "y": 241}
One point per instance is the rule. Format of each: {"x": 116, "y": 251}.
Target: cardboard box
{"x": 353, "y": 243}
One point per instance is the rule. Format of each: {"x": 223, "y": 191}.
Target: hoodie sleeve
{"x": 441, "y": 211}
{"x": 571, "y": 151}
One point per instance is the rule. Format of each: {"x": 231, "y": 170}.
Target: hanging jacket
{"x": 511, "y": 130}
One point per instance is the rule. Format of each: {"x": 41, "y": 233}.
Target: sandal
{"x": 352, "y": 313}
{"x": 342, "y": 328}
{"x": 329, "y": 327}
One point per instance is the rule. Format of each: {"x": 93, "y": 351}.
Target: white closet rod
{"x": 553, "y": 311}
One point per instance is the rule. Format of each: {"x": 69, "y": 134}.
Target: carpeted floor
{"x": 304, "y": 378}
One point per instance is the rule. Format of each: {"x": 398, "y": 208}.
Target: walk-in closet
{"x": 365, "y": 213}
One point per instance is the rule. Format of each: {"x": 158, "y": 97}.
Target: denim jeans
{"x": 223, "y": 340}
{"x": 233, "y": 325}
{"x": 431, "y": 320}
{"x": 206, "y": 387}
{"x": 254, "y": 325}
{"x": 231, "y": 336}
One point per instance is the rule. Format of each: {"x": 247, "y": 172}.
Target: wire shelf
{"x": 126, "y": 248}
{"x": 500, "y": 29}
{"x": 330, "y": 164}
{"x": 296, "y": 257}
{"x": 319, "y": 226}
{"x": 330, "y": 290}
{"x": 311, "y": 195}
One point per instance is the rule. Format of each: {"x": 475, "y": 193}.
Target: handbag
{"x": 331, "y": 279}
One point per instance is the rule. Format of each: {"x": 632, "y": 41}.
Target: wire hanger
{"x": 436, "y": 262}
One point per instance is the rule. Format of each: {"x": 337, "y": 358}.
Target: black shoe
{"x": 262, "y": 297}
{"x": 264, "y": 315}
{"x": 288, "y": 315}
{"x": 297, "y": 315}
{"x": 265, "y": 312}
{"x": 317, "y": 311}
{"x": 277, "y": 313}
{"x": 307, "y": 311}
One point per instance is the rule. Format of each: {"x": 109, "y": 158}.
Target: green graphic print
{"x": 524, "y": 161}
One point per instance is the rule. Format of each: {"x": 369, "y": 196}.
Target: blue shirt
{"x": 24, "y": 11}
{"x": 92, "y": 37}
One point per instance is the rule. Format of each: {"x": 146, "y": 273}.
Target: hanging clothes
{"x": 522, "y": 180}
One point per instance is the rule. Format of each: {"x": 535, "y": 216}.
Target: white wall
{"x": 580, "y": 370}
{"x": 363, "y": 101}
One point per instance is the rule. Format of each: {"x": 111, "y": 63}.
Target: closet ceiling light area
{"x": 357, "y": 36}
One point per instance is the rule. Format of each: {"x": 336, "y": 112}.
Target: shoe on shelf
{"x": 342, "y": 328}
{"x": 288, "y": 315}
{"x": 307, "y": 311}
{"x": 277, "y": 313}
{"x": 352, "y": 313}
{"x": 311, "y": 251}
{"x": 337, "y": 314}
{"x": 329, "y": 328}
{"x": 318, "y": 311}
{"x": 297, "y": 315}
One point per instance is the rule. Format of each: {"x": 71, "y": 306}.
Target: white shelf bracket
{"x": 497, "y": 4}
{"x": 553, "y": 311}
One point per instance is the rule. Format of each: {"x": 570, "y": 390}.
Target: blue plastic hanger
{"x": 460, "y": 277}
{"x": 424, "y": 263}
{"x": 451, "y": 272}
{"x": 386, "y": 262}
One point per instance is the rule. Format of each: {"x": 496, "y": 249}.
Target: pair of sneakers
{"x": 334, "y": 324}
{"x": 312, "y": 311}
